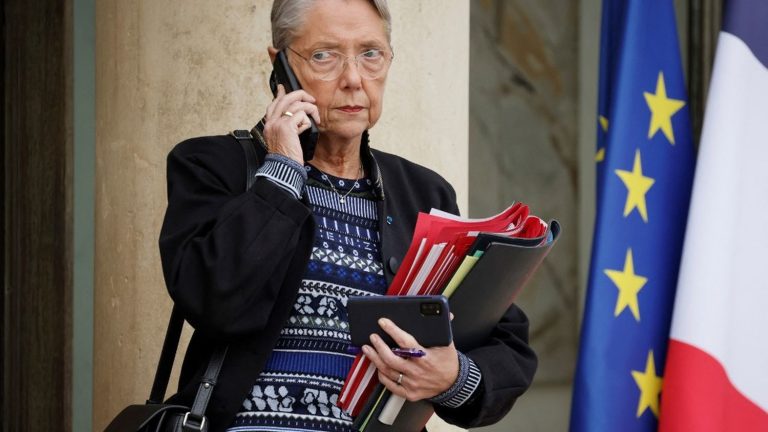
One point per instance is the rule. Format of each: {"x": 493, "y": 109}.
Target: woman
{"x": 267, "y": 271}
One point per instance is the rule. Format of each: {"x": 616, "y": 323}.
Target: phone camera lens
{"x": 430, "y": 309}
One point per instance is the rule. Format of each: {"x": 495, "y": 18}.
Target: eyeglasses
{"x": 327, "y": 65}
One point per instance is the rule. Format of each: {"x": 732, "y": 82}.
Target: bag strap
{"x": 165, "y": 364}
{"x": 251, "y": 159}
{"x": 195, "y": 419}
{"x": 176, "y": 323}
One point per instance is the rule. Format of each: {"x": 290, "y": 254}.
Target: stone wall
{"x": 524, "y": 147}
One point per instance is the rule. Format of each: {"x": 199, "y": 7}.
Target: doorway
{"x": 36, "y": 214}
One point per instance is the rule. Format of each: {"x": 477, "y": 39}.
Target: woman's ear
{"x": 272, "y": 53}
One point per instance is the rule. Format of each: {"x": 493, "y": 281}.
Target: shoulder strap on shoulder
{"x": 251, "y": 158}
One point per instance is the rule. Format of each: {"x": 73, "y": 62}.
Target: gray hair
{"x": 288, "y": 16}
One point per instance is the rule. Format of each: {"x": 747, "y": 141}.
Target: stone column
{"x": 180, "y": 68}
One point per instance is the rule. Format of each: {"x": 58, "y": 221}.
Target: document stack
{"x": 480, "y": 265}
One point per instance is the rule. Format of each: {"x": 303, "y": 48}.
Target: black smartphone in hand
{"x": 426, "y": 318}
{"x": 283, "y": 74}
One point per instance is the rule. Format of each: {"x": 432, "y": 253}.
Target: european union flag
{"x": 646, "y": 159}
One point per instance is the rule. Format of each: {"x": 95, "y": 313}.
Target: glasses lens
{"x": 371, "y": 63}
{"x": 326, "y": 65}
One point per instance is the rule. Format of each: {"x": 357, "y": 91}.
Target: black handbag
{"x": 154, "y": 415}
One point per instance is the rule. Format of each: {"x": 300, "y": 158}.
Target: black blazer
{"x": 233, "y": 261}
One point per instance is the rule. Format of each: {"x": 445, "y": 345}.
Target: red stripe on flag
{"x": 698, "y": 396}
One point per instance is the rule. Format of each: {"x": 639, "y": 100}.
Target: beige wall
{"x": 179, "y": 68}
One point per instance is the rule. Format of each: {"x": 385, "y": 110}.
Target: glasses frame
{"x": 387, "y": 59}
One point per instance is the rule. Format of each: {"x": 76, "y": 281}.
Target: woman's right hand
{"x": 287, "y": 117}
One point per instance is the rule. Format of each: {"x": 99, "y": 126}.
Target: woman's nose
{"x": 350, "y": 76}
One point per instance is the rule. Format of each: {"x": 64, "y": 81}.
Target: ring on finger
{"x": 288, "y": 114}
{"x": 400, "y": 379}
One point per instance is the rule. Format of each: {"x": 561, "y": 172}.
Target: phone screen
{"x": 283, "y": 74}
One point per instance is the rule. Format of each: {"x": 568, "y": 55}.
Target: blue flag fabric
{"x": 613, "y": 22}
{"x": 647, "y": 163}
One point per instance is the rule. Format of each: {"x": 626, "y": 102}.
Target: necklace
{"x": 342, "y": 198}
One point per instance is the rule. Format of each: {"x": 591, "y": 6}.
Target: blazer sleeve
{"x": 224, "y": 249}
{"x": 507, "y": 364}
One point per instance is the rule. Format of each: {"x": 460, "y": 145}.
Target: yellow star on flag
{"x": 600, "y": 155}
{"x": 662, "y": 110}
{"x": 650, "y": 387}
{"x": 603, "y": 123}
{"x": 629, "y": 284}
{"x": 637, "y": 186}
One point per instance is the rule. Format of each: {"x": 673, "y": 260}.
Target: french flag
{"x": 716, "y": 375}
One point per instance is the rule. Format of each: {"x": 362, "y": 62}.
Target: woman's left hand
{"x": 423, "y": 377}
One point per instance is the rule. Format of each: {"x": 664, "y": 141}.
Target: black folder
{"x": 490, "y": 288}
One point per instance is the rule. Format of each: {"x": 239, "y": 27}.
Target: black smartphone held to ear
{"x": 283, "y": 74}
{"x": 426, "y": 318}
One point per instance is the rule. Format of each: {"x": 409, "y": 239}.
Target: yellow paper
{"x": 460, "y": 274}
